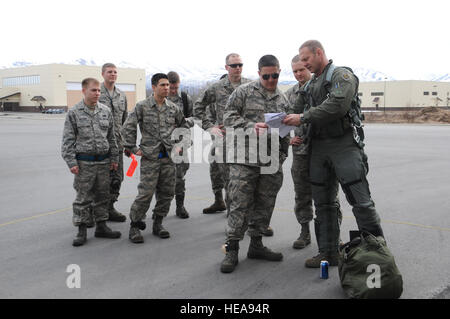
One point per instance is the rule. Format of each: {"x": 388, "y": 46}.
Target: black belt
{"x": 92, "y": 158}
{"x": 163, "y": 155}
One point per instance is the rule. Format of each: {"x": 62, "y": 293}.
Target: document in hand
{"x": 274, "y": 121}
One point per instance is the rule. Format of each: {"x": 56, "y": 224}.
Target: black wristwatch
{"x": 302, "y": 119}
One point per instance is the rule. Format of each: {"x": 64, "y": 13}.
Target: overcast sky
{"x": 403, "y": 39}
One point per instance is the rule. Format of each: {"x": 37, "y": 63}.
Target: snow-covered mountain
{"x": 368, "y": 75}
{"x": 197, "y": 76}
{"x": 441, "y": 78}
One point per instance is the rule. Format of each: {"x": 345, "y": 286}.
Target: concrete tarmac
{"x": 409, "y": 178}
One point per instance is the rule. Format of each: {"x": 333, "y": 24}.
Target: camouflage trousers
{"x": 217, "y": 182}
{"x": 252, "y": 200}
{"x": 116, "y": 180}
{"x": 157, "y": 177}
{"x": 219, "y": 172}
{"x": 302, "y": 187}
{"x": 333, "y": 161}
{"x": 92, "y": 187}
{"x": 220, "y": 179}
{"x": 180, "y": 184}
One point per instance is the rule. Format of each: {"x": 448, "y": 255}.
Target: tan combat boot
{"x": 314, "y": 262}
{"x": 81, "y": 237}
{"x": 257, "y": 250}
{"x": 135, "y": 235}
{"x": 217, "y": 206}
{"x": 103, "y": 231}
{"x": 231, "y": 260}
{"x": 158, "y": 229}
{"x": 181, "y": 210}
{"x": 304, "y": 239}
{"x": 114, "y": 215}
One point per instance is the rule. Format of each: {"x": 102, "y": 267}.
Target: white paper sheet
{"x": 274, "y": 121}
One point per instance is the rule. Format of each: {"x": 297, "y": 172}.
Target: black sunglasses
{"x": 273, "y": 75}
{"x": 234, "y": 66}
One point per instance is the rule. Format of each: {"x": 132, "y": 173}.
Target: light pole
{"x": 384, "y": 96}
{"x": 436, "y": 98}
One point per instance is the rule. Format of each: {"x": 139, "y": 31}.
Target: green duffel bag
{"x": 367, "y": 269}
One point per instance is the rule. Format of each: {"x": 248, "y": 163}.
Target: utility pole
{"x": 384, "y": 95}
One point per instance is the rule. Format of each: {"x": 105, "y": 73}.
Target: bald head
{"x": 312, "y": 45}
{"x": 313, "y": 56}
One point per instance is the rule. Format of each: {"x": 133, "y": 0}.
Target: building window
{"x": 360, "y": 94}
{"x": 377, "y": 93}
{"x": 22, "y": 80}
{"x": 126, "y": 87}
{"x": 434, "y": 93}
{"x": 73, "y": 86}
{"x": 426, "y": 93}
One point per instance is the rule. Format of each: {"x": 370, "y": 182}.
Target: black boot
{"x": 81, "y": 237}
{"x": 103, "y": 231}
{"x": 181, "y": 210}
{"x": 257, "y": 250}
{"x": 114, "y": 215}
{"x": 217, "y": 206}
{"x": 231, "y": 260}
{"x": 158, "y": 229}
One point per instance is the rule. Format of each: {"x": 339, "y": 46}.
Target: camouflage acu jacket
{"x": 247, "y": 106}
{"x": 88, "y": 133}
{"x": 156, "y": 124}
{"x": 215, "y": 97}
{"x": 118, "y": 105}
{"x": 297, "y": 101}
{"x": 178, "y": 100}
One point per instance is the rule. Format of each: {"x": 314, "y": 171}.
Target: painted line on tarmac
{"x": 202, "y": 198}
{"x": 392, "y": 222}
{"x": 35, "y": 216}
{"x": 66, "y": 209}
{"x": 415, "y": 225}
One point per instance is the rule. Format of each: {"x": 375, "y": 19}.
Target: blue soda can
{"x": 324, "y": 269}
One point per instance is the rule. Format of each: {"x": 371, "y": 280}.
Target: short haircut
{"x": 173, "y": 77}
{"x": 295, "y": 59}
{"x": 85, "y": 83}
{"x": 268, "y": 60}
{"x": 231, "y": 55}
{"x": 312, "y": 45}
{"x": 158, "y": 76}
{"x": 107, "y": 65}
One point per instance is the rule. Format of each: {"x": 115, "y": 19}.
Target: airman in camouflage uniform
{"x": 335, "y": 156}
{"x": 157, "y": 118}
{"x": 181, "y": 169}
{"x": 89, "y": 148}
{"x": 209, "y": 108}
{"x": 116, "y": 100}
{"x": 300, "y": 163}
{"x": 252, "y": 192}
